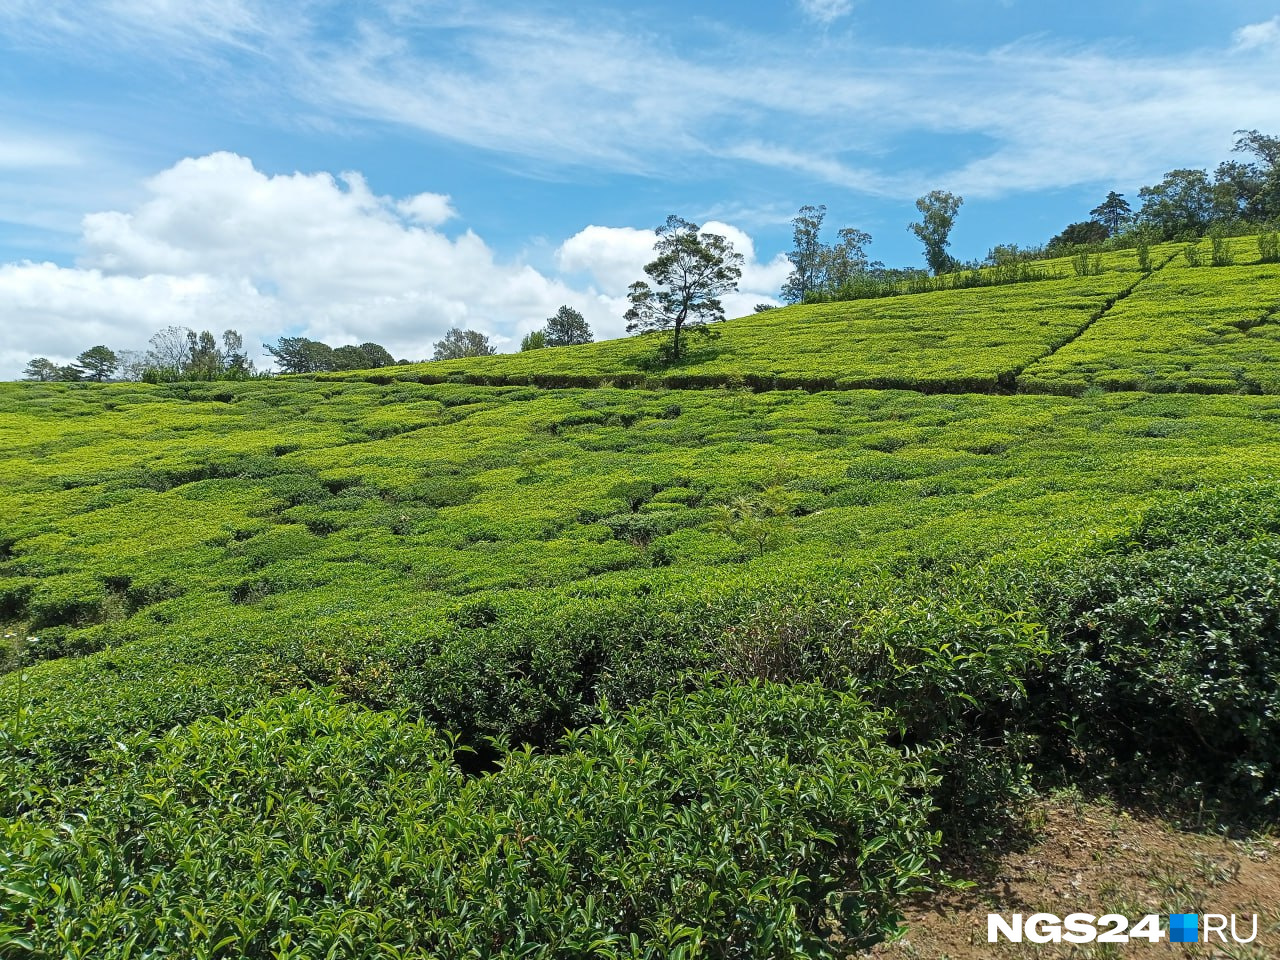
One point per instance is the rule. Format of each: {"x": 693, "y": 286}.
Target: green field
{"x": 564, "y": 654}
{"x": 1202, "y": 329}
{"x": 1177, "y": 329}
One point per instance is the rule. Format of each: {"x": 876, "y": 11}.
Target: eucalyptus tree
{"x": 938, "y": 210}
{"x": 808, "y": 258}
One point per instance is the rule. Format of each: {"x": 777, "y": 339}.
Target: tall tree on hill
{"x": 1179, "y": 206}
{"x": 938, "y": 210}
{"x": 41, "y": 369}
{"x": 377, "y": 355}
{"x": 807, "y": 257}
{"x": 235, "y": 362}
{"x": 847, "y": 259}
{"x": 567, "y": 328}
{"x": 1113, "y": 212}
{"x": 204, "y": 359}
{"x": 1252, "y": 189}
{"x": 97, "y": 363}
{"x": 459, "y": 343}
{"x": 1262, "y": 146}
{"x": 169, "y": 351}
{"x": 300, "y": 355}
{"x": 349, "y": 357}
{"x": 365, "y": 356}
{"x": 689, "y": 275}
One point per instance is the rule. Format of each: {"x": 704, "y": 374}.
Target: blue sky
{"x": 385, "y": 170}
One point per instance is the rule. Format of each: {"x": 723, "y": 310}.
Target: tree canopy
{"x": 97, "y": 363}
{"x": 818, "y": 268}
{"x": 458, "y": 343}
{"x": 691, "y": 272}
{"x": 1084, "y": 233}
{"x": 938, "y": 210}
{"x": 533, "y": 340}
{"x": 1179, "y": 206}
{"x": 567, "y": 328}
{"x": 1113, "y": 212}
{"x": 806, "y": 254}
{"x": 301, "y": 355}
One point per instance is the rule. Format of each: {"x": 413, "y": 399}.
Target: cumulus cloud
{"x": 217, "y": 243}
{"x": 1255, "y": 35}
{"x": 613, "y": 257}
{"x": 429, "y": 209}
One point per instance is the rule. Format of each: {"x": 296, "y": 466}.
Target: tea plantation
{"x": 566, "y": 654}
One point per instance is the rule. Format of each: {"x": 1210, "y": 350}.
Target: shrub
{"x": 1170, "y": 679}
{"x": 1220, "y": 255}
{"x": 1269, "y": 247}
{"x": 748, "y": 821}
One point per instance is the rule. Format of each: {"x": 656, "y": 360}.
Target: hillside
{"x": 1201, "y": 329}
{"x": 563, "y": 654}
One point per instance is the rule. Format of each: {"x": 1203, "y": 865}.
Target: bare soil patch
{"x": 1091, "y": 857}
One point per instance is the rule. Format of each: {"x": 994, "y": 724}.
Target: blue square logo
{"x": 1184, "y": 928}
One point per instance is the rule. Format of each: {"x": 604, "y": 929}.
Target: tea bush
{"x": 1171, "y": 667}
{"x": 743, "y": 821}
{"x": 1198, "y": 330}
{"x": 630, "y": 672}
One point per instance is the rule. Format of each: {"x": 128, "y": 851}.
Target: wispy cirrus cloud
{"x": 602, "y": 92}
{"x": 825, "y": 11}
{"x": 1259, "y": 35}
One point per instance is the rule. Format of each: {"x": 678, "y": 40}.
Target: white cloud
{"x": 834, "y": 113}
{"x": 216, "y": 243}
{"x": 428, "y": 209}
{"x": 825, "y": 11}
{"x": 1255, "y": 35}
{"x": 26, "y": 153}
{"x": 613, "y": 257}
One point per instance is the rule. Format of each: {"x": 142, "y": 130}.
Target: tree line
{"x": 179, "y": 353}
{"x": 1241, "y": 196}
{"x": 174, "y": 353}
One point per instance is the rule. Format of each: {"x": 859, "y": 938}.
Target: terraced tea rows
{"x": 1203, "y": 329}
{"x": 957, "y": 341}
{"x": 1200, "y": 329}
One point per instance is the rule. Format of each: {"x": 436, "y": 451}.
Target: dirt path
{"x": 1093, "y": 858}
